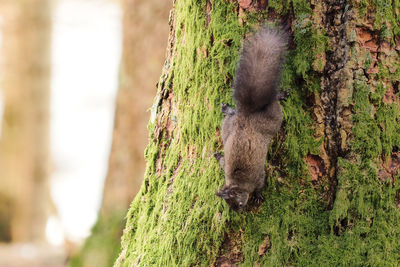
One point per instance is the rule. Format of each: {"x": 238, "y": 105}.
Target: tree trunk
{"x": 145, "y": 33}
{"x": 332, "y": 193}
{"x": 24, "y": 144}
{"x": 144, "y": 40}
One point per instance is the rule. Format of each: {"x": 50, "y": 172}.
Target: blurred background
{"x": 77, "y": 80}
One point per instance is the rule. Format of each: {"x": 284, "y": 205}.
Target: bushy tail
{"x": 258, "y": 73}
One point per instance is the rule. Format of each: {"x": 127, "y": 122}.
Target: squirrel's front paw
{"x": 283, "y": 95}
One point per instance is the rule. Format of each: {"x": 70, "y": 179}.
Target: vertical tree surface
{"x": 24, "y": 143}
{"x": 332, "y": 193}
{"x": 145, "y": 33}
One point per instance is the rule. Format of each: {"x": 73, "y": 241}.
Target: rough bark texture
{"x": 332, "y": 191}
{"x": 145, "y": 33}
{"x": 24, "y": 143}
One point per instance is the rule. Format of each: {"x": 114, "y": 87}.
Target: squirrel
{"x": 247, "y": 130}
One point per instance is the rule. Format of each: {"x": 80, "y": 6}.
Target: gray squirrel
{"x": 247, "y": 130}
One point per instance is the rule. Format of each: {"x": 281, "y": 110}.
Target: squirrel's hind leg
{"x": 218, "y": 156}
{"x": 227, "y": 110}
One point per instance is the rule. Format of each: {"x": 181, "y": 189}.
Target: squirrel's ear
{"x": 223, "y": 193}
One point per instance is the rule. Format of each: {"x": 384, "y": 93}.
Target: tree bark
{"x": 24, "y": 144}
{"x": 332, "y": 192}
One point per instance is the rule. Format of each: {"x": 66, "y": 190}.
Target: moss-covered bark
{"x": 332, "y": 191}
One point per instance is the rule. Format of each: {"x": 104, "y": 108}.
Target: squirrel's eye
{"x": 240, "y": 204}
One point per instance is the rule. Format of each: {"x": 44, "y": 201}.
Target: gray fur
{"x": 259, "y": 70}
{"x": 247, "y": 131}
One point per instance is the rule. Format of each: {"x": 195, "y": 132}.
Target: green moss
{"x": 176, "y": 219}
{"x": 183, "y": 222}
{"x": 386, "y": 15}
{"x": 309, "y": 43}
{"x": 365, "y": 217}
{"x": 181, "y": 216}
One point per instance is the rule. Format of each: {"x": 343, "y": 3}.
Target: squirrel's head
{"x": 234, "y": 196}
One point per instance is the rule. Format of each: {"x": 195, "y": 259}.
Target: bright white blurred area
{"x": 86, "y": 55}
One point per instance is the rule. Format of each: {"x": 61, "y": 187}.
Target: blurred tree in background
{"x": 24, "y": 144}
{"x": 145, "y": 33}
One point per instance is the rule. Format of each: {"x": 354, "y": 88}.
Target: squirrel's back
{"x": 258, "y": 73}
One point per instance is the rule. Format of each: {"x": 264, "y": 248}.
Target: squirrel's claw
{"x": 283, "y": 95}
{"x": 217, "y": 155}
{"x": 258, "y": 198}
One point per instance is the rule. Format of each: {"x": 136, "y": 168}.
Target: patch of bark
{"x": 163, "y": 88}
{"x": 244, "y": 3}
{"x": 390, "y": 95}
{"x": 367, "y": 39}
{"x": 208, "y": 12}
{"x": 254, "y": 6}
{"x": 165, "y": 126}
{"x": 335, "y": 83}
{"x": 389, "y": 167}
{"x": 230, "y": 253}
{"x": 174, "y": 174}
{"x": 397, "y": 43}
{"x": 265, "y": 246}
{"x": 316, "y": 166}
